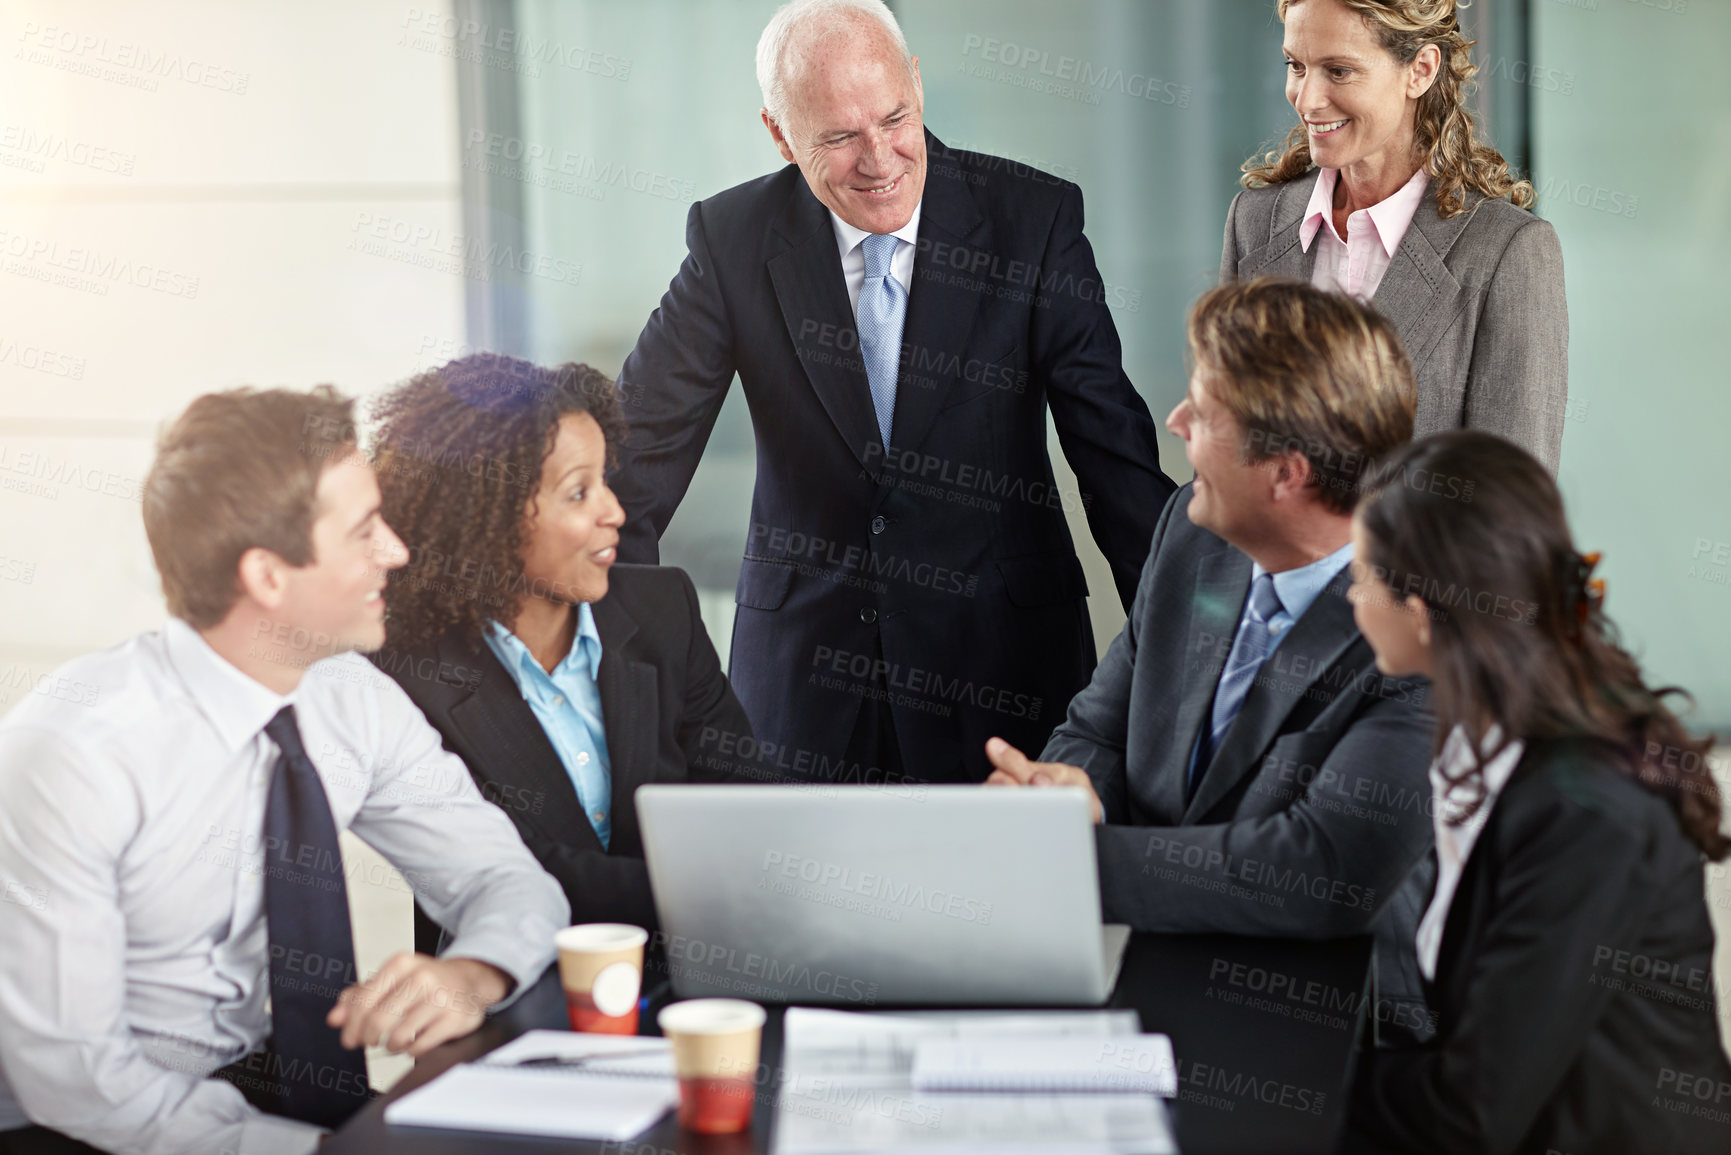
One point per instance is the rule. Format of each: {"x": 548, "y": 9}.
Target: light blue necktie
{"x": 883, "y": 304}
{"x": 1249, "y": 650}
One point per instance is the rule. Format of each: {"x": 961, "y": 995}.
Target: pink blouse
{"x": 1355, "y": 265}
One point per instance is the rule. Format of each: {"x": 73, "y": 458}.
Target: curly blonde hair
{"x": 1443, "y": 129}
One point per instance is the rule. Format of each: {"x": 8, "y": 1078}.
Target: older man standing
{"x": 900, "y": 315}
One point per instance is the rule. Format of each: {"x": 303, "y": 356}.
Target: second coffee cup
{"x": 715, "y": 1049}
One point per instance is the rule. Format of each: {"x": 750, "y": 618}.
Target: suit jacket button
{"x": 868, "y": 615}
{"x": 878, "y": 524}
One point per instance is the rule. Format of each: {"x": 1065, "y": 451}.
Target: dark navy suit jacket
{"x": 1312, "y": 818}
{"x": 936, "y": 575}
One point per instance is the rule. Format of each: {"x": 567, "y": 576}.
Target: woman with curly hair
{"x": 1383, "y": 190}
{"x": 563, "y": 680}
{"x": 1567, "y": 947}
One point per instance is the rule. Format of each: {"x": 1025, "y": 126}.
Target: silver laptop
{"x": 860, "y": 895}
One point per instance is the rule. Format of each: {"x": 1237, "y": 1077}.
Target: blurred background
{"x": 198, "y": 195}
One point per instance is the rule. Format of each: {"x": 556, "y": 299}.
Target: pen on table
{"x": 581, "y": 1060}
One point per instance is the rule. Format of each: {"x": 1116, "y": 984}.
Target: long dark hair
{"x": 1474, "y": 526}
{"x": 458, "y": 454}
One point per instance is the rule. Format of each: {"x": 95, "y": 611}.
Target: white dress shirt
{"x": 132, "y": 820}
{"x": 848, "y": 238}
{"x": 1355, "y": 265}
{"x": 1454, "y": 844}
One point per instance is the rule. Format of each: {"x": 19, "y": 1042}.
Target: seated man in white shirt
{"x": 168, "y": 825}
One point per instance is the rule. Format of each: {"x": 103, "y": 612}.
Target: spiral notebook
{"x": 1137, "y": 1064}
{"x": 574, "y": 1086}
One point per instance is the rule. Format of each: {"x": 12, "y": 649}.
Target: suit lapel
{"x": 1313, "y": 644}
{"x": 941, "y": 306}
{"x": 494, "y": 717}
{"x": 812, "y": 294}
{"x": 1222, "y": 584}
{"x": 1418, "y": 293}
{"x": 1282, "y": 255}
{"x": 629, "y": 696}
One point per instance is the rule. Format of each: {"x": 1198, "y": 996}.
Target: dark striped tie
{"x": 312, "y": 950}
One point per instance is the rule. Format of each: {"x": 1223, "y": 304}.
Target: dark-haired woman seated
{"x": 1567, "y": 944}
{"x": 563, "y": 680}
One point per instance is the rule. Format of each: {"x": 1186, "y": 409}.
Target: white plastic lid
{"x": 710, "y": 1017}
{"x": 600, "y": 936}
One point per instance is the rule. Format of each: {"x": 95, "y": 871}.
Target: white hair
{"x": 778, "y": 36}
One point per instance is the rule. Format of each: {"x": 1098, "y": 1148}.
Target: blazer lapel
{"x": 1418, "y": 293}
{"x": 1313, "y": 644}
{"x": 814, "y": 305}
{"x": 1222, "y": 585}
{"x": 629, "y": 696}
{"x": 1282, "y": 255}
{"x": 942, "y": 304}
{"x": 494, "y": 717}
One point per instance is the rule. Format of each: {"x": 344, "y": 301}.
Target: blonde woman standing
{"x": 1383, "y": 191}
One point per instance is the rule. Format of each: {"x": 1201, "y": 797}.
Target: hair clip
{"x": 1592, "y": 591}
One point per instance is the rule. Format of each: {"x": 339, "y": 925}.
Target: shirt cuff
{"x": 524, "y": 956}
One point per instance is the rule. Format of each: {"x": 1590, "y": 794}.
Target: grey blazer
{"x": 1312, "y": 820}
{"x": 1477, "y": 299}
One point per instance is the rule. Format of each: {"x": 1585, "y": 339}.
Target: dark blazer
{"x": 667, "y": 708}
{"x": 1314, "y": 810}
{"x": 1477, "y": 300}
{"x": 950, "y": 550}
{"x": 1574, "y": 984}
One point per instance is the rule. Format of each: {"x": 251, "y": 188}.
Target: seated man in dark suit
{"x": 1255, "y": 774}
{"x": 563, "y": 680}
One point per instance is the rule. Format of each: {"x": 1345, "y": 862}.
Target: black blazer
{"x": 950, "y": 551}
{"x": 669, "y": 713}
{"x": 1574, "y": 984}
{"x": 1313, "y": 812}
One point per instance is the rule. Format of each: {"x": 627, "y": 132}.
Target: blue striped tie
{"x": 883, "y": 304}
{"x": 1249, "y": 649}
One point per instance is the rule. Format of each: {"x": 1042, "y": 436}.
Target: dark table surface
{"x": 1263, "y": 1031}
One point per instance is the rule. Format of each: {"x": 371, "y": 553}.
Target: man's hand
{"x": 416, "y": 1002}
{"x": 1012, "y": 768}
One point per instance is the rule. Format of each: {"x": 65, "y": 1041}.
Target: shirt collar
{"x": 521, "y": 664}
{"x": 847, "y": 238}
{"x": 1390, "y": 216}
{"x": 1298, "y": 588}
{"x": 1456, "y": 759}
{"x": 1320, "y": 209}
{"x": 237, "y": 705}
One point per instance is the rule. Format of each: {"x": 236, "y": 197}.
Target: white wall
{"x": 209, "y": 191}
{"x": 223, "y": 157}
